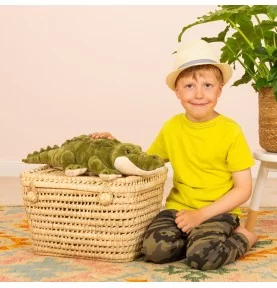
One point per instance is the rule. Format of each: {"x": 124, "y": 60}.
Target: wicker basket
{"x": 268, "y": 120}
{"x": 86, "y": 217}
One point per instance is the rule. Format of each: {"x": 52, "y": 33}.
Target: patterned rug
{"x": 19, "y": 263}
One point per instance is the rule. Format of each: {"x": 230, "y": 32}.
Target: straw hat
{"x": 196, "y": 53}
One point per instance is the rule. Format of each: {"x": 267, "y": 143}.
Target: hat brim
{"x": 225, "y": 69}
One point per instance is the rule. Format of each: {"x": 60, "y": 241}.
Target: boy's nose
{"x": 198, "y": 94}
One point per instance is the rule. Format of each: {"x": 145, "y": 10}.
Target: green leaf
{"x": 272, "y": 11}
{"x": 274, "y": 53}
{"x": 260, "y": 51}
{"x": 233, "y": 8}
{"x": 269, "y": 35}
{"x": 264, "y": 32}
{"x": 267, "y": 25}
{"x": 270, "y": 38}
{"x": 230, "y": 52}
{"x": 272, "y": 74}
{"x": 243, "y": 80}
{"x": 261, "y": 83}
{"x": 254, "y": 86}
{"x": 249, "y": 39}
{"x": 244, "y": 22}
{"x": 269, "y": 59}
{"x": 220, "y": 37}
{"x": 258, "y": 9}
{"x": 252, "y": 37}
{"x": 211, "y": 39}
{"x": 217, "y": 15}
{"x": 248, "y": 63}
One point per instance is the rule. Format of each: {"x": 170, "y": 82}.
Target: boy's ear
{"x": 221, "y": 87}
{"x": 177, "y": 93}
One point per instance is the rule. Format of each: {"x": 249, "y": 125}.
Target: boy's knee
{"x": 203, "y": 258}
{"x": 156, "y": 252}
{"x": 195, "y": 261}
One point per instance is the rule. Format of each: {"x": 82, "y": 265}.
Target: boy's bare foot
{"x": 251, "y": 236}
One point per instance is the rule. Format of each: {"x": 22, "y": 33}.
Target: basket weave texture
{"x": 86, "y": 217}
{"x": 267, "y": 120}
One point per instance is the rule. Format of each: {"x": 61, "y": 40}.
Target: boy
{"x": 211, "y": 162}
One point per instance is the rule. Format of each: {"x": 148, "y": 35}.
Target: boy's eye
{"x": 189, "y": 86}
{"x": 208, "y": 85}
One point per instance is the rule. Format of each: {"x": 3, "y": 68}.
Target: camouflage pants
{"x": 208, "y": 246}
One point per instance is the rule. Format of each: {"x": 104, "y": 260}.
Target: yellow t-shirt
{"x": 203, "y": 157}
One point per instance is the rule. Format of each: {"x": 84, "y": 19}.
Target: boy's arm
{"x": 240, "y": 193}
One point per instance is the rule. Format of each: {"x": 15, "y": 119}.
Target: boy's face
{"x": 199, "y": 95}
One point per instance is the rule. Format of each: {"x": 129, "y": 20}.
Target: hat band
{"x": 193, "y": 62}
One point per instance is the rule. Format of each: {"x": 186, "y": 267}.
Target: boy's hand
{"x": 98, "y": 135}
{"x": 188, "y": 219}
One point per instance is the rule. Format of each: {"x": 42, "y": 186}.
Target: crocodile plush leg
{"x": 97, "y": 167}
{"x": 69, "y": 166}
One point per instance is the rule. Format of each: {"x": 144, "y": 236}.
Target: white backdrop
{"x": 69, "y": 70}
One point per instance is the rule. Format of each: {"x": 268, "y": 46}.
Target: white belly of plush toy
{"x": 126, "y": 167}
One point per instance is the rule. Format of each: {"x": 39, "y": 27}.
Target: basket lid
{"x": 47, "y": 176}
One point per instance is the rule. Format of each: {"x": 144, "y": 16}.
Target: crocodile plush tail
{"x": 41, "y": 157}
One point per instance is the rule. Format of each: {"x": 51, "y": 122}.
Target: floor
{"x": 10, "y": 192}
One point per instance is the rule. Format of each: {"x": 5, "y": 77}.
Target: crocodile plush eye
{"x": 128, "y": 151}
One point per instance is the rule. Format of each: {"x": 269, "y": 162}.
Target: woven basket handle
{"x": 106, "y": 197}
{"x": 32, "y": 195}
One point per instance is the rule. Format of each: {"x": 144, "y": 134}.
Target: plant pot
{"x": 267, "y": 120}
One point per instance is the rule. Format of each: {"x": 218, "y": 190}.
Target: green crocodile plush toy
{"x": 109, "y": 159}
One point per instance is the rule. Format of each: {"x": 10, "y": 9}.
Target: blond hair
{"x": 195, "y": 71}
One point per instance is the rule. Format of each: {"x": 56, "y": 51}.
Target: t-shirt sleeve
{"x": 158, "y": 147}
{"x": 239, "y": 155}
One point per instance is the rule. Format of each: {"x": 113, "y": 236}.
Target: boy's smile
{"x": 198, "y": 104}
{"x": 199, "y": 94}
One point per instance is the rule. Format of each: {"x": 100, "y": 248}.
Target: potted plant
{"x": 250, "y": 40}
